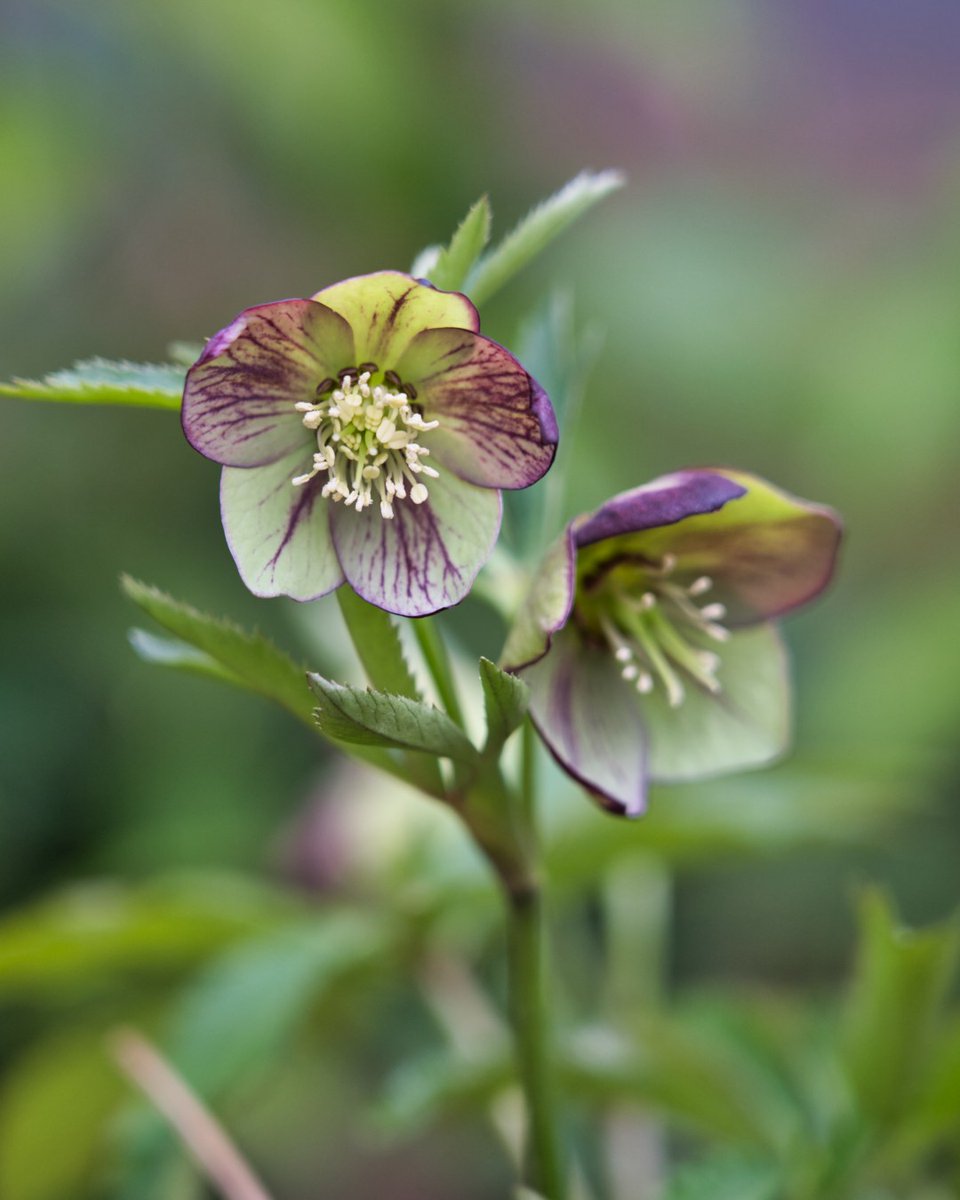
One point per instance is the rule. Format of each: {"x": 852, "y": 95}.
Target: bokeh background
{"x": 778, "y": 287}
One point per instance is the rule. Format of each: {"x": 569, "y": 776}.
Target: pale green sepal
{"x": 248, "y": 659}
{"x": 545, "y": 607}
{"x": 467, "y": 244}
{"x": 369, "y": 718}
{"x": 537, "y": 230}
{"x": 745, "y": 725}
{"x": 505, "y": 701}
{"x": 97, "y": 381}
{"x": 377, "y": 643}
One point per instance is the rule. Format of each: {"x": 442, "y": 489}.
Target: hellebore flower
{"x": 647, "y": 638}
{"x": 364, "y": 434}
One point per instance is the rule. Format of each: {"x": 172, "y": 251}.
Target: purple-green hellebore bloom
{"x": 364, "y": 435}
{"x": 648, "y": 637}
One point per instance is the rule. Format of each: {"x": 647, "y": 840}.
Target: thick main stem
{"x": 529, "y": 1010}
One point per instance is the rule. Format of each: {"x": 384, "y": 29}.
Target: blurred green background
{"x": 778, "y": 288}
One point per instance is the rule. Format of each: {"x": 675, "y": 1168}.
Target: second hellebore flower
{"x": 647, "y": 637}
{"x": 364, "y": 435}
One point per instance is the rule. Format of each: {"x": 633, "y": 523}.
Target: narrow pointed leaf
{"x": 377, "y": 643}
{"x": 377, "y": 719}
{"x": 97, "y": 381}
{"x": 505, "y": 701}
{"x": 249, "y": 658}
{"x": 454, "y": 261}
{"x": 537, "y": 230}
{"x": 171, "y": 652}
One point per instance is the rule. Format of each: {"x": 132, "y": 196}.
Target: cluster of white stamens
{"x": 654, "y": 637}
{"x": 366, "y": 442}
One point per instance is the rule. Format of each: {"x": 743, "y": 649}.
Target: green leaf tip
{"x": 453, "y": 263}
{"x": 99, "y": 381}
{"x": 218, "y": 647}
{"x": 505, "y": 701}
{"x": 369, "y": 718}
{"x": 538, "y": 229}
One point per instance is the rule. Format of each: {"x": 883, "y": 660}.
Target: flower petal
{"x": 545, "y": 607}
{"x": 497, "y": 427}
{"x": 388, "y": 309}
{"x": 426, "y": 556}
{"x": 278, "y": 534}
{"x": 664, "y": 501}
{"x": 239, "y": 397}
{"x": 747, "y": 724}
{"x": 590, "y": 720}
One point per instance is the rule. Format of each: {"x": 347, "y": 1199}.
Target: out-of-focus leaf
{"x": 93, "y": 932}
{"x": 377, "y": 642}
{"x": 454, "y": 261}
{"x": 895, "y": 1008}
{"x": 537, "y": 230}
{"x": 505, "y": 702}
{"x": 243, "y": 1008}
{"x": 248, "y": 659}
{"x": 425, "y": 261}
{"x": 184, "y": 353}
{"x": 53, "y": 1111}
{"x": 97, "y": 381}
{"x": 437, "y": 1086}
{"x": 368, "y": 718}
{"x": 726, "y": 1177}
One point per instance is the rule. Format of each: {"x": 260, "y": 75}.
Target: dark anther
{"x": 324, "y": 387}
{"x": 392, "y": 378}
{"x": 351, "y": 371}
{"x": 410, "y": 390}
{"x": 371, "y": 367}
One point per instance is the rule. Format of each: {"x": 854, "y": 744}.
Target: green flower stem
{"x": 435, "y": 655}
{"x": 543, "y": 1169}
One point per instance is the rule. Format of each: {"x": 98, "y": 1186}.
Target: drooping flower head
{"x": 364, "y": 435}
{"x": 648, "y": 639}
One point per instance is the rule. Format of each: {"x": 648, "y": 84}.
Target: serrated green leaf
{"x": 170, "y": 652}
{"x": 537, "y": 230}
{"x": 248, "y": 659}
{"x": 378, "y": 719}
{"x": 377, "y": 642}
{"x": 505, "y": 702}
{"x": 467, "y": 244}
{"x": 97, "y": 381}
{"x": 895, "y": 1007}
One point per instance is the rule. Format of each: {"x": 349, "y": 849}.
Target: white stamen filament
{"x": 366, "y": 445}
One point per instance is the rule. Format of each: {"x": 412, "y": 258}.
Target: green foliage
{"x": 249, "y": 660}
{"x": 895, "y": 1009}
{"x": 505, "y": 702}
{"x": 53, "y": 1113}
{"x": 370, "y": 718}
{"x": 537, "y": 230}
{"x": 467, "y": 244}
{"x": 725, "y": 1178}
{"x": 92, "y": 932}
{"x": 377, "y": 643}
{"x": 97, "y": 381}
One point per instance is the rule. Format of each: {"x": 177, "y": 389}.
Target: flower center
{"x": 367, "y": 428}
{"x": 662, "y": 636}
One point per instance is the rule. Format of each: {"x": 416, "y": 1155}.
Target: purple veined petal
{"x": 546, "y": 606}
{"x": 239, "y": 397}
{"x": 497, "y": 427}
{"x": 426, "y": 556}
{"x": 388, "y": 309}
{"x": 664, "y": 501}
{"x": 765, "y": 552}
{"x": 279, "y": 534}
{"x": 591, "y": 721}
